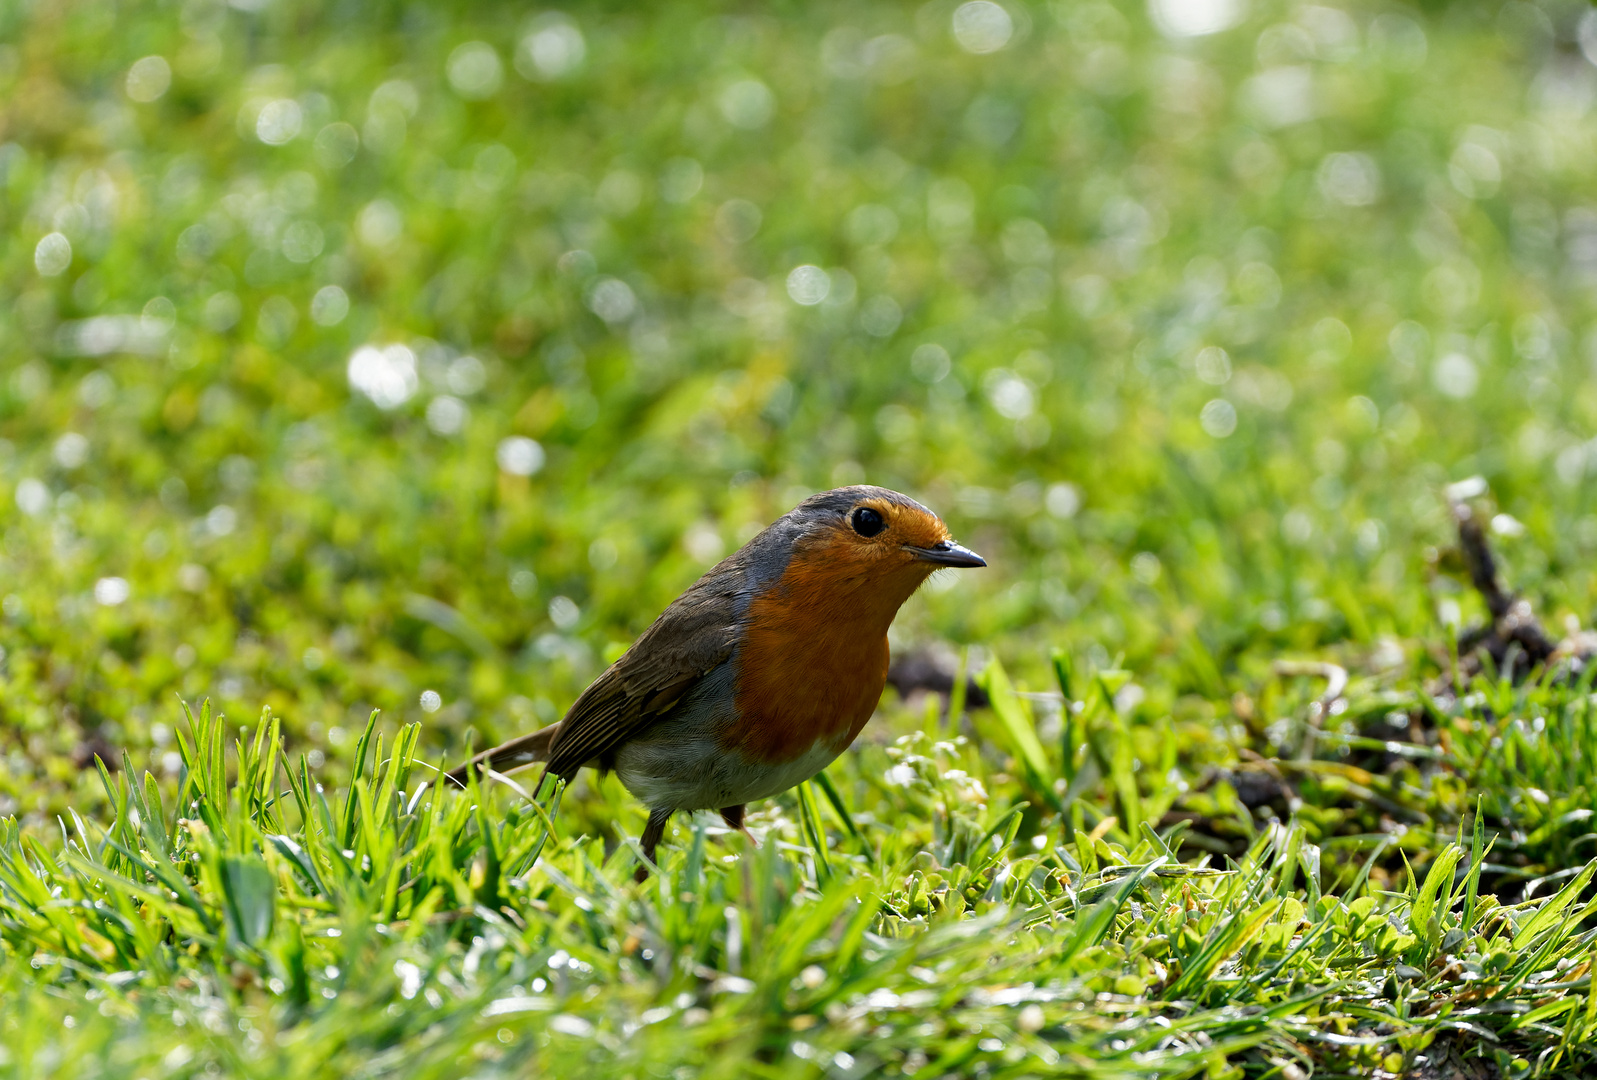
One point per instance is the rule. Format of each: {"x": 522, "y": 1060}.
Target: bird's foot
{"x": 733, "y": 816}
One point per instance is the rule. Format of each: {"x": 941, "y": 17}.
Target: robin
{"x": 762, "y": 673}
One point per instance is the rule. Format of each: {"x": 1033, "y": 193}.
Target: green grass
{"x": 912, "y": 925}
{"x": 1380, "y": 218}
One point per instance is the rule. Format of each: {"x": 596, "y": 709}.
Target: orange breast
{"x": 813, "y": 659}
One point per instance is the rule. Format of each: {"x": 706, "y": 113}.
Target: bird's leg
{"x": 652, "y": 832}
{"x": 733, "y": 816}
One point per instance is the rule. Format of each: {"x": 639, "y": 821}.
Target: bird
{"x": 758, "y": 676}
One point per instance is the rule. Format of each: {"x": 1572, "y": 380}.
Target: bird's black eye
{"x": 867, "y": 522}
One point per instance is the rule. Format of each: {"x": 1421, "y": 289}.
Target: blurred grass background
{"x": 356, "y": 351}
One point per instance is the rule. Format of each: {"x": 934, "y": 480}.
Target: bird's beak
{"x": 947, "y": 553}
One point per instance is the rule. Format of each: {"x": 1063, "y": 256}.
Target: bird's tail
{"x": 522, "y": 750}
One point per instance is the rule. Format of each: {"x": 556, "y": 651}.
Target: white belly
{"x": 679, "y": 763}
{"x": 698, "y": 774}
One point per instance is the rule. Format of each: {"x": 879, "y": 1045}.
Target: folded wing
{"x": 690, "y": 639}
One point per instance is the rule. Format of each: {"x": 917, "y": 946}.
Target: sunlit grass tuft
{"x": 951, "y": 921}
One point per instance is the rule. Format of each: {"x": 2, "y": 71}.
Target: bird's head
{"x": 871, "y": 535}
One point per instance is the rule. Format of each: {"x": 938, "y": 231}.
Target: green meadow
{"x": 372, "y": 374}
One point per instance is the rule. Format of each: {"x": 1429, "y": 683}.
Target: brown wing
{"x": 690, "y": 639}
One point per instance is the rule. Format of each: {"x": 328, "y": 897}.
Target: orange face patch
{"x": 842, "y": 546}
